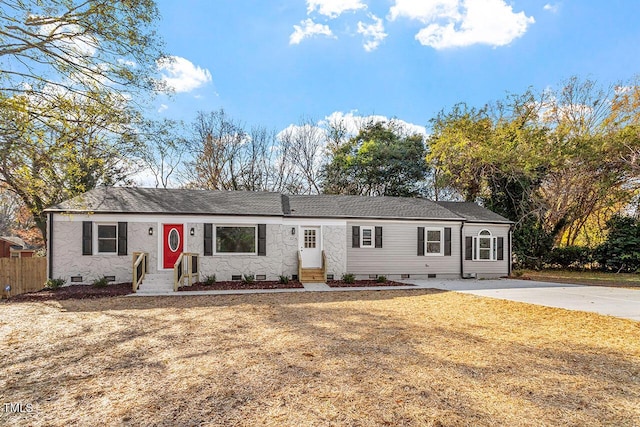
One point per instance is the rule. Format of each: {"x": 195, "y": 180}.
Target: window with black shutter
{"x": 378, "y": 237}
{"x": 87, "y": 238}
{"x": 420, "y": 241}
{"x": 355, "y": 236}
{"x": 500, "y": 248}
{"x": 208, "y": 239}
{"x": 122, "y": 238}
{"x": 262, "y": 239}
{"x": 447, "y": 241}
{"x": 468, "y": 248}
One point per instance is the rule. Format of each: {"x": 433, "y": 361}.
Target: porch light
{"x": 192, "y": 232}
{"x": 293, "y": 231}
{"x": 150, "y": 231}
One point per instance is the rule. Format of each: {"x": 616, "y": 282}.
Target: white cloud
{"x": 553, "y": 8}
{"x": 308, "y": 28}
{"x": 334, "y": 8}
{"x": 351, "y": 122}
{"x": 425, "y": 11}
{"x": 458, "y": 23}
{"x": 182, "y": 75}
{"x": 163, "y": 107}
{"x": 128, "y": 63}
{"x": 69, "y": 37}
{"x": 373, "y": 33}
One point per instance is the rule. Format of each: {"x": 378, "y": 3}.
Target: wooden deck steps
{"x": 312, "y": 275}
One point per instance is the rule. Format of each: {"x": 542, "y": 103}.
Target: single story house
{"x": 14, "y": 247}
{"x": 266, "y": 235}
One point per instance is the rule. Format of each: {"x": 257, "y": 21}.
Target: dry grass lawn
{"x": 307, "y": 359}
{"x": 596, "y": 278}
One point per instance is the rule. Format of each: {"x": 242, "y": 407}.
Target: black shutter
{"x": 447, "y": 241}
{"x": 122, "y": 238}
{"x": 355, "y": 236}
{"x": 87, "y": 238}
{"x": 500, "y": 248}
{"x": 378, "y": 237}
{"x": 468, "y": 248}
{"x": 420, "y": 241}
{"x": 208, "y": 239}
{"x": 262, "y": 239}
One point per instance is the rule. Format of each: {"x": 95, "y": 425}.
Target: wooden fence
{"x": 22, "y": 275}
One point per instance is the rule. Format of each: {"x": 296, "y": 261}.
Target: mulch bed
{"x": 75, "y": 292}
{"x": 237, "y": 285}
{"x": 363, "y": 284}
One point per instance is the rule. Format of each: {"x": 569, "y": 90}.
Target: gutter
{"x": 50, "y": 246}
{"x": 462, "y": 249}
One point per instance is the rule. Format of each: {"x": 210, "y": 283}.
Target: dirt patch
{"x": 363, "y": 284}
{"x": 237, "y": 285}
{"x": 75, "y": 292}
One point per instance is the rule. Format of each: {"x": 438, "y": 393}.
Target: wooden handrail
{"x": 140, "y": 265}
{"x": 186, "y": 266}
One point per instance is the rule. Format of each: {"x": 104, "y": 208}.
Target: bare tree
{"x": 215, "y": 147}
{"x": 305, "y": 145}
{"x": 164, "y": 149}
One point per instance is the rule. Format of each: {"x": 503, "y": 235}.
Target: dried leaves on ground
{"x": 414, "y": 357}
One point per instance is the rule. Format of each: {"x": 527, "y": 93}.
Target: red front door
{"x": 173, "y": 238}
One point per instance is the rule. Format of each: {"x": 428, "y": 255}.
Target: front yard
{"x": 361, "y": 358}
{"x": 595, "y": 278}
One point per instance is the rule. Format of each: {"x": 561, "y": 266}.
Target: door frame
{"x": 160, "y": 228}
{"x": 319, "y": 242}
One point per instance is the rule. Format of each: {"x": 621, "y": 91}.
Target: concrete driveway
{"x": 618, "y": 302}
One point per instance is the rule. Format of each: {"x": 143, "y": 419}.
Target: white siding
{"x": 488, "y": 269}
{"x": 399, "y": 252}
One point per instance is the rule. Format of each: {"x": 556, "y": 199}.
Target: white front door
{"x": 310, "y": 247}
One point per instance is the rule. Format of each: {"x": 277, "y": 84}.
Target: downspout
{"x": 510, "y": 259}
{"x": 462, "y": 250}
{"x": 50, "y": 246}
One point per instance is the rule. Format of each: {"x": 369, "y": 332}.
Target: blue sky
{"x": 272, "y": 63}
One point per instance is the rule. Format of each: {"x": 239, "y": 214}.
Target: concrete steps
{"x": 157, "y": 283}
{"x": 312, "y": 275}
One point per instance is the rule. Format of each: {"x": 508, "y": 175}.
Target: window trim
{"x": 493, "y": 246}
{"x": 96, "y": 239}
{"x": 215, "y": 239}
{"x": 372, "y": 238}
{"x": 427, "y": 241}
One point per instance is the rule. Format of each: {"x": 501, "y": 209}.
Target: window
{"x": 107, "y": 238}
{"x": 366, "y": 237}
{"x": 485, "y": 246}
{"x": 241, "y": 240}
{"x": 309, "y": 239}
{"x": 433, "y": 241}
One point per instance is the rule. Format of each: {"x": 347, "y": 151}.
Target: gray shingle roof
{"x": 173, "y": 201}
{"x": 205, "y": 202}
{"x": 323, "y": 205}
{"x": 473, "y": 212}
